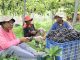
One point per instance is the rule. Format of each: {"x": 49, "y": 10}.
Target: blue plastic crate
{"x": 70, "y": 50}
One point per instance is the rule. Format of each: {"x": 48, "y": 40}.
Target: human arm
{"x": 53, "y": 27}
{"x": 5, "y": 43}
{"x": 68, "y": 26}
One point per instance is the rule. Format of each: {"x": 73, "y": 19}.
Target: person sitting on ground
{"x": 30, "y": 31}
{"x": 12, "y": 46}
{"x": 60, "y": 23}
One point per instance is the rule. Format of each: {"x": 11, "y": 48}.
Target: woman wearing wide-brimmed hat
{"x": 12, "y": 46}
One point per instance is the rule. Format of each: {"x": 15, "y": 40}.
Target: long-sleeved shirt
{"x": 57, "y": 26}
{"x": 7, "y": 39}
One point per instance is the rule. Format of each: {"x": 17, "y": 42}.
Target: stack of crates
{"x": 70, "y": 50}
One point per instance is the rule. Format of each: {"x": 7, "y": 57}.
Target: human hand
{"x": 38, "y": 38}
{"x": 33, "y": 32}
{"x": 30, "y": 38}
{"x": 24, "y": 39}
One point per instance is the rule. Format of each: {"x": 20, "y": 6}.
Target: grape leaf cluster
{"x": 63, "y": 35}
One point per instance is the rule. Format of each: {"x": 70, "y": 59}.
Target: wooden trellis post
{"x": 24, "y": 10}
{"x": 75, "y": 12}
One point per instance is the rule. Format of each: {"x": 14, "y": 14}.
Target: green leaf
{"x": 53, "y": 50}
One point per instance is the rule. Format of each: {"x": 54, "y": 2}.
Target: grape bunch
{"x": 63, "y": 35}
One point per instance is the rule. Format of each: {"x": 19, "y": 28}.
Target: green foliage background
{"x": 16, "y": 7}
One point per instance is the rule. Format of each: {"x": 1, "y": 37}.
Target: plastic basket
{"x": 70, "y": 50}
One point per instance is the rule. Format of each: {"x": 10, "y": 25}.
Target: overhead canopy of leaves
{"x": 16, "y": 7}
{"x": 8, "y": 7}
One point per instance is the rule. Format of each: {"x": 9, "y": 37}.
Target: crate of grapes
{"x": 69, "y": 43}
